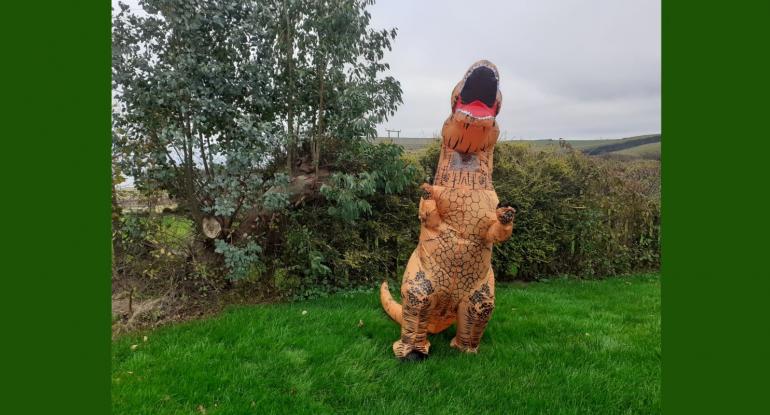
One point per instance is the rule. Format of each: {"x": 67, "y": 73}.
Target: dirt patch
{"x": 132, "y": 313}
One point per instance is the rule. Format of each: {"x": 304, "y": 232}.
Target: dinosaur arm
{"x": 501, "y": 229}
{"x": 429, "y": 215}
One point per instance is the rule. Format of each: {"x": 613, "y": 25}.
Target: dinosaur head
{"x": 475, "y": 103}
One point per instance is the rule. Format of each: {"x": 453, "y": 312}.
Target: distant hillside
{"x": 409, "y": 143}
{"x": 622, "y": 144}
{"x": 643, "y": 146}
{"x": 646, "y": 151}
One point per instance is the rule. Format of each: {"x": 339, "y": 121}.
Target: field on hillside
{"x": 630, "y": 147}
{"x": 563, "y": 346}
{"x": 650, "y": 150}
{"x": 576, "y": 144}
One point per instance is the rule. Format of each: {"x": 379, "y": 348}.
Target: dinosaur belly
{"x": 457, "y": 255}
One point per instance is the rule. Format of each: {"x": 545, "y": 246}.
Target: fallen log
{"x": 211, "y": 227}
{"x": 301, "y": 188}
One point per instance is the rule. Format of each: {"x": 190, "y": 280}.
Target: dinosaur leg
{"x": 473, "y": 313}
{"x": 418, "y": 298}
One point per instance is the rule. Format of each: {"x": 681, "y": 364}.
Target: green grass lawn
{"x": 558, "y": 347}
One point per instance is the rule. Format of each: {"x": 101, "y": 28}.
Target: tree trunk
{"x": 211, "y": 227}
{"x": 189, "y": 168}
{"x": 210, "y": 156}
{"x": 117, "y": 245}
{"x": 203, "y": 155}
{"x": 291, "y": 140}
{"x": 320, "y": 72}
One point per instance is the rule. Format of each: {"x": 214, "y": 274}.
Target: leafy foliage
{"x": 213, "y": 96}
{"x": 347, "y": 192}
{"x": 380, "y": 170}
{"x": 242, "y": 262}
{"x": 196, "y": 113}
{"x": 576, "y": 214}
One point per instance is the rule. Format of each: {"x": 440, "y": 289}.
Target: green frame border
{"x": 715, "y": 89}
{"x": 56, "y": 183}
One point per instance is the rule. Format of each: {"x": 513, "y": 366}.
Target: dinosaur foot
{"x": 463, "y": 348}
{"x": 414, "y": 356}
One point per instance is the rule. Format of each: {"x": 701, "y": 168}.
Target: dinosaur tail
{"x": 390, "y": 305}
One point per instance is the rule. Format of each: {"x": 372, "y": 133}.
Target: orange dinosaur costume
{"x": 449, "y": 276}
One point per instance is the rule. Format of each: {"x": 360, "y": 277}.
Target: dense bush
{"x": 362, "y": 230}
{"x": 576, "y": 215}
{"x": 160, "y": 255}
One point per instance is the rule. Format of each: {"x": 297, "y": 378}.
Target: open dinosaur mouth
{"x": 479, "y": 94}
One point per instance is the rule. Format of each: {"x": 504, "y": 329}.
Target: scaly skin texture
{"x": 449, "y": 278}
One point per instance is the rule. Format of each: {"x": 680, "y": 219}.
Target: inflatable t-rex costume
{"x": 449, "y": 276}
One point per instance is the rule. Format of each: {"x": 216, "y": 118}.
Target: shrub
{"x": 159, "y": 254}
{"x": 242, "y": 262}
{"x": 576, "y": 214}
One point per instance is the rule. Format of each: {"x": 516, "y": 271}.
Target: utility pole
{"x": 398, "y": 133}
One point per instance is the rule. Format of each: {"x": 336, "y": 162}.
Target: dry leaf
{"x": 134, "y": 346}
{"x": 304, "y": 312}
{"x": 201, "y": 409}
{"x": 144, "y": 338}
{"x": 360, "y": 323}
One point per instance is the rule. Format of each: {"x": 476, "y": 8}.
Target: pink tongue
{"x": 476, "y": 108}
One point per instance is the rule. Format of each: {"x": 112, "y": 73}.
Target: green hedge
{"x": 576, "y": 215}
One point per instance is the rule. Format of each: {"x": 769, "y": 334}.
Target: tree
{"x": 197, "y": 102}
{"x": 330, "y": 71}
{"x": 219, "y": 101}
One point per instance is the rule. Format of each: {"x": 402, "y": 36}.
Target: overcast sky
{"x": 568, "y": 68}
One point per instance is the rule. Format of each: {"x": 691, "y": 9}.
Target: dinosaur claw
{"x": 505, "y": 214}
{"x": 426, "y": 190}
